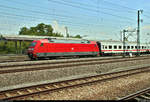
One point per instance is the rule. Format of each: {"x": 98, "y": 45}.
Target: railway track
{"x": 25, "y": 92}
{"x": 61, "y": 64}
{"x": 24, "y": 62}
{"x": 13, "y": 58}
{"x": 138, "y": 96}
{"x": 7, "y": 61}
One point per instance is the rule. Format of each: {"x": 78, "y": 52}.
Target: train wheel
{"x": 32, "y": 58}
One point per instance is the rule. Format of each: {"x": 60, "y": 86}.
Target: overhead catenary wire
{"x": 129, "y": 9}
{"x": 45, "y": 8}
{"x": 53, "y": 10}
{"x": 89, "y": 9}
{"x": 31, "y": 17}
{"x": 67, "y": 22}
{"x": 39, "y": 12}
{"x": 62, "y": 16}
{"x": 85, "y": 24}
{"x": 32, "y": 11}
{"x": 92, "y": 6}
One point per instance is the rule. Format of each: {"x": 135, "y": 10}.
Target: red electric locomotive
{"x": 48, "y": 48}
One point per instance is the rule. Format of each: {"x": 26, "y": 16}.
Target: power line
{"x": 131, "y": 9}
{"x": 68, "y": 23}
{"x": 22, "y": 3}
{"x": 62, "y": 16}
{"x": 38, "y": 12}
{"x": 112, "y": 9}
{"x": 31, "y": 17}
{"x": 88, "y": 9}
{"x": 66, "y": 16}
{"x": 146, "y": 15}
{"x": 32, "y": 11}
{"x": 26, "y": 4}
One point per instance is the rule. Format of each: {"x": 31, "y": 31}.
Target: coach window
{"x": 120, "y": 47}
{"x": 124, "y": 47}
{"x": 41, "y": 44}
{"x": 128, "y": 47}
{"x": 110, "y": 47}
{"x": 105, "y": 47}
{"x": 132, "y": 47}
{"x": 142, "y": 47}
{"x": 115, "y": 47}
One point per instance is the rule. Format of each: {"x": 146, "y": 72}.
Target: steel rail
{"x": 43, "y": 63}
{"x": 136, "y": 94}
{"x": 64, "y": 66}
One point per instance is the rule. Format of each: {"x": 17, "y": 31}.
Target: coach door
{"x": 99, "y": 46}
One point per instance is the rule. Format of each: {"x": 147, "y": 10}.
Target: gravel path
{"x": 109, "y": 90}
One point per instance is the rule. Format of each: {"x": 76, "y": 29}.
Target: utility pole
{"x": 138, "y": 32}
{"x": 121, "y": 36}
{"x": 124, "y": 42}
{"x": 124, "y": 39}
{"x": 67, "y": 34}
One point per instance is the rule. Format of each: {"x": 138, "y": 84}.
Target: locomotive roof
{"x": 63, "y": 41}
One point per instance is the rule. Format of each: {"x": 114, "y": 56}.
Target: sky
{"x": 92, "y": 19}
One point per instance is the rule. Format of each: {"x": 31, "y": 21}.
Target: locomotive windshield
{"x": 32, "y": 44}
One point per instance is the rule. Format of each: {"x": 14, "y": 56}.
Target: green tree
{"x": 39, "y": 30}
{"x": 77, "y": 36}
{"x": 42, "y": 30}
{"x": 24, "y": 31}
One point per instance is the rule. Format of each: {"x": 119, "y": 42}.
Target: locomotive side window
{"x": 110, "y": 47}
{"x": 42, "y": 44}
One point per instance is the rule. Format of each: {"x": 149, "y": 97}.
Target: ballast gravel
{"x": 108, "y": 90}
{"x": 24, "y": 79}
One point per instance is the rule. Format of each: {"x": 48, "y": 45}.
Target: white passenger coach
{"x": 116, "y": 47}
